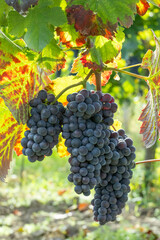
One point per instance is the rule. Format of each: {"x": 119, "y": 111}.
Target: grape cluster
{"x": 109, "y": 107}
{"x": 86, "y": 139}
{"x": 45, "y": 127}
{"x": 21, "y": 5}
{"x": 112, "y": 192}
{"x": 100, "y": 157}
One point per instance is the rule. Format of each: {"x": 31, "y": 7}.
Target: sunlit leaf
{"x": 142, "y": 7}
{"x": 116, "y": 125}
{"x": 87, "y": 23}
{"x": 69, "y": 36}
{"x": 61, "y": 148}
{"x": 123, "y": 11}
{"x": 79, "y": 68}
{"x": 155, "y": 2}
{"x": 59, "y": 84}
{"x": 151, "y": 113}
{"x": 10, "y": 134}
{"x": 20, "y": 80}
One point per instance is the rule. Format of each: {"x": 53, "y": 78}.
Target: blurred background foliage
{"x": 38, "y": 202}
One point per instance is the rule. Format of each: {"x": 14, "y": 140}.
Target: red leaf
{"x": 89, "y": 64}
{"x": 142, "y": 7}
{"x": 10, "y": 133}
{"x": 20, "y": 80}
{"x": 87, "y": 23}
{"x": 68, "y": 38}
{"x": 151, "y": 113}
{"x": 63, "y": 39}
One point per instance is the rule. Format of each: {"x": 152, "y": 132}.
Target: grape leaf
{"x": 20, "y": 80}
{"x": 150, "y": 115}
{"x": 53, "y": 57}
{"x": 61, "y": 148}
{"x": 88, "y": 23}
{"x": 14, "y": 28}
{"x": 59, "y": 84}
{"x": 78, "y": 68}
{"x": 105, "y": 50}
{"x": 142, "y": 7}
{"x": 10, "y": 132}
{"x": 123, "y": 11}
{"x": 69, "y": 36}
{"x": 37, "y": 21}
{"x": 155, "y": 2}
{"x": 4, "y": 8}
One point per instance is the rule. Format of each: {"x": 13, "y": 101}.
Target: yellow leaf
{"x": 61, "y": 148}
{"x": 116, "y": 125}
{"x": 10, "y": 131}
{"x": 59, "y": 84}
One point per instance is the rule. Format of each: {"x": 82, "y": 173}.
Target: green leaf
{"x": 113, "y": 11}
{"x": 155, "y": 2}
{"x": 38, "y": 20}
{"x": 105, "y": 50}
{"x": 16, "y": 29}
{"x": 52, "y": 55}
{"x": 4, "y": 8}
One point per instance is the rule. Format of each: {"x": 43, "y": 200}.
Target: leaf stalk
{"x": 131, "y": 66}
{"x": 127, "y": 73}
{"x": 9, "y": 40}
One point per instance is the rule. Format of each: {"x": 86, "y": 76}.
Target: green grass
{"x": 105, "y": 233}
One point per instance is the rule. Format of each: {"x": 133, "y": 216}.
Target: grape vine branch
{"x": 148, "y": 161}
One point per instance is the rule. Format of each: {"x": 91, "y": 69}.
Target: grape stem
{"x": 9, "y": 40}
{"x": 125, "y": 72}
{"x": 74, "y": 85}
{"x": 114, "y": 128}
{"x": 148, "y": 161}
{"x": 98, "y": 81}
{"x": 131, "y": 66}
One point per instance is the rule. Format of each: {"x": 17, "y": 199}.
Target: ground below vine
{"x": 50, "y": 221}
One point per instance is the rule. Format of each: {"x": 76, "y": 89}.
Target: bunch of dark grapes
{"x": 45, "y": 127}
{"x": 86, "y": 139}
{"x": 111, "y": 193}
{"x": 109, "y": 107}
{"x": 21, "y": 5}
